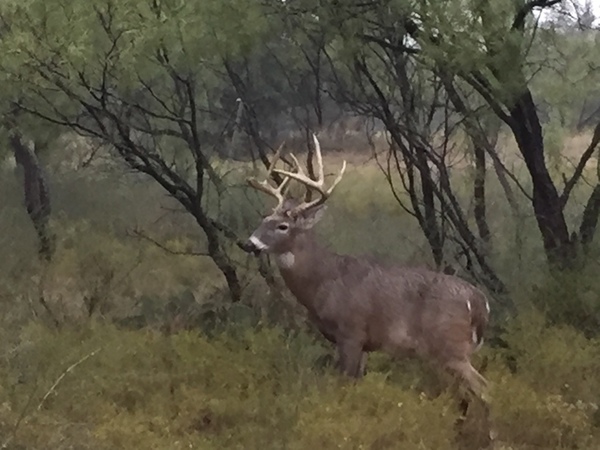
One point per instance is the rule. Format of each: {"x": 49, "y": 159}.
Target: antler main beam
{"x": 300, "y": 176}
{"x": 319, "y": 183}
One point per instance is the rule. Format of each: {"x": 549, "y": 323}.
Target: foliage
{"x": 260, "y": 387}
{"x": 158, "y": 85}
{"x": 159, "y": 358}
{"x": 125, "y": 81}
{"x": 566, "y": 54}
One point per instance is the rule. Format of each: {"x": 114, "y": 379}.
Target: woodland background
{"x": 130, "y": 316}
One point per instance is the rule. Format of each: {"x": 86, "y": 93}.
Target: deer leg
{"x": 351, "y": 359}
{"x": 362, "y": 371}
{"x": 363, "y": 364}
{"x": 475, "y": 381}
{"x": 477, "y": 385}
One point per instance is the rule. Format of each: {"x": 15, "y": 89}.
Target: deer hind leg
{"x": 363, "y": 364}
{"x": 477, "y": 386}
{"x": 352, "y": 359}
{"x": 476, "y": 383}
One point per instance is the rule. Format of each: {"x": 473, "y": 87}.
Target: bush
{"x": 373, "y": 414}
{"x": 263, "y": 388}
{"x": 572, "y": 299}
{"x": 532, "y": 419}
{"x": 556, "y": 359}
{"x": 249, "y": 389}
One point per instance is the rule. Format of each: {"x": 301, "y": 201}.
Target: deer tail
{"x": 479, "y": 308}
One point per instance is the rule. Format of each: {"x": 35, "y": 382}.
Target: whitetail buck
{"x": 361, "y": 305}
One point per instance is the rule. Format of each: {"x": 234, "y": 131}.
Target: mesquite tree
{"x": 144, "y": 80}
{"x": 413, "y": 65}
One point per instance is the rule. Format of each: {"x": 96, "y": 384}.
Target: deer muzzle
{"x": 254, "y": 245}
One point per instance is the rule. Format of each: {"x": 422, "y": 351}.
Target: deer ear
{"x": 310, "y": 217}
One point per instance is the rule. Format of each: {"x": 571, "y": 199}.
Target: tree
{"x": 145, "y": 80}
{"x": 166, "y": 87}
{"x": 36, "y": 192}
{"x": 469, "y": 48}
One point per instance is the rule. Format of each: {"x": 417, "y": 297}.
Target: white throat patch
{"x": 286, "y": 260}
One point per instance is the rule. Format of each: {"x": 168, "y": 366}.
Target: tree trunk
{"x": 589, "y": 222}
{"x": 547, "y": 206}
{"x": 481, "y": 144}
{"x": 219, "y": 256}
{"x": 37, "y": 203}
{"x": 430, "y": 223}
{"x": 479, "y": 195}
{"x": 36, "y": 194}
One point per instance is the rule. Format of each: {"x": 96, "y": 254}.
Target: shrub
{"x": 558, "y": 360}
{"x": 260, "y": 387}
{"x": 527, "y": 417}
{"x": 244, "y": 389}
{"x": 373, "y": 414}
{"x": 570, "y": 298}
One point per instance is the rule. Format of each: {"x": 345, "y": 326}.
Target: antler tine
{"x": 276, "y": 158}
{"x": 319, "y": 183}
{"x": 264, "y": 186}
{"x": 337, "y": 179}
{"x": 321, "y": 170}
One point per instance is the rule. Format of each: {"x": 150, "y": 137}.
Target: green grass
{"x": 262, "y": 388}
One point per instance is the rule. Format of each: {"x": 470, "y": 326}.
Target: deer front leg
{"x": 363, "y": 364}
{"x": 351, "y": 360}
{"x": 362, "y": 371}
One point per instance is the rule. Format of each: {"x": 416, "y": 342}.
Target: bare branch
{"x": 64, "y": 374}
{"x": 585, "y": 157}
{"x": 141, "y": 235}
{"x": 527, "y": 8}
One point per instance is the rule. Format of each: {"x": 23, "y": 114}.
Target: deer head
{"x": 290, "y": 218}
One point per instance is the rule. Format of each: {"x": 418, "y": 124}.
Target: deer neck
{"x": 304, "y": 268}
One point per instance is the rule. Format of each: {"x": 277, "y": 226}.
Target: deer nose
{"x": 248, "y": 247}
{"x": 253, "y": 245}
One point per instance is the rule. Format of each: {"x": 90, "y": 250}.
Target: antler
{"x": 264, "y": 186}
{"x": 318, "y": 184}
{"x": 299, "y": 175}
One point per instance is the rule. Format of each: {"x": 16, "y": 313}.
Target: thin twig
{"x": 62, "y": 375}
{"x": 137, "y": 233}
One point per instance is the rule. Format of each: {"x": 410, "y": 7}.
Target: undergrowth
{"x": 260, "y": 387}
{"x": 111, "y": 377}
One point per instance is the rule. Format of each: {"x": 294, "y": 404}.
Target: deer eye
{"x": 283, "y": 227}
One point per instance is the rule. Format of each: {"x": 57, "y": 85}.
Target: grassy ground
{"x": 98, "y": 387}
{"x": 239, "y": 379}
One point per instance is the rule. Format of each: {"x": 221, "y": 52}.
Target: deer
{"x": 359, "y": 304}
